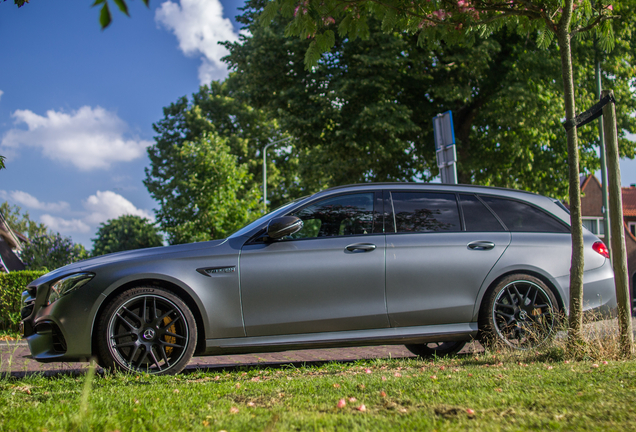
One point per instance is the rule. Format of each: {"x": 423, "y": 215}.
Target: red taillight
{"x": 600, "y": 247}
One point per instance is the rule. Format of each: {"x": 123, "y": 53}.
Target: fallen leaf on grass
{"x": 382, "y": 394}
{"x": 341, "y": 403}
{"x": 234, "y": 410}
{"x": 362, "y": 408}
{"x": 352, "y": 399}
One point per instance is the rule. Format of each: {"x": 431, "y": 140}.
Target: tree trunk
{"x": 619, "y": 254}
{"x": 576, "y": 268}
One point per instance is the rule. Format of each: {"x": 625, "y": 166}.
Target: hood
{"x": 90, "y": 263}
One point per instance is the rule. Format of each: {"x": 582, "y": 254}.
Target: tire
{"x": 146, "y": 329}
{"x": 436, "y": 349}
{"x": 520, "y": 312}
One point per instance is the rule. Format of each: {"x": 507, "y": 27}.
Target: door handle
{"x": 481, "y": 245}
{"x": 360, "y": 247}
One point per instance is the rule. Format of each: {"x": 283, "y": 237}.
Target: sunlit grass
{"x": 490, "y": 391}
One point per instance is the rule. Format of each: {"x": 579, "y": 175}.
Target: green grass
{"x": 482, "y": 393}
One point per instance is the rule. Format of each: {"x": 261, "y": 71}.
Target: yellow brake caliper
{"x": 169, "y": 339}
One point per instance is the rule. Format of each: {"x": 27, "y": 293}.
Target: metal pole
{"x": 601, "y": 136}
{"x": 265, "y": 170}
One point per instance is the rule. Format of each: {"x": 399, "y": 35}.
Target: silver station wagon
{"x": 429, "y": 266}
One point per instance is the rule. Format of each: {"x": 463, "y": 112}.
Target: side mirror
{"x": 283, "y": 226}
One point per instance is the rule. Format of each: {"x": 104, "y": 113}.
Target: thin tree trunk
{"x": 617, "y": 238}
{"x": 576, "y": 269}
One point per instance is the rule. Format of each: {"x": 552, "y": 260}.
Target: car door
{"x": 327, "y": 277}
{"x": 440, "y": 248}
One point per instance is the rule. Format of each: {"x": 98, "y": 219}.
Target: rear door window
{"x": 477, "y": 217}
{"x": 523, "y": 217}
{"x": 415, "y": 212}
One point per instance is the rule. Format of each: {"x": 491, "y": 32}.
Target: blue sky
{"x": 77, "y": 103}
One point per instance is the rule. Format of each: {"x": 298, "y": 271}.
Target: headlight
{"x": 68, "y": 284}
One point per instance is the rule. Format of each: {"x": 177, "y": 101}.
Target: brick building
{"x": 591, "y": 206}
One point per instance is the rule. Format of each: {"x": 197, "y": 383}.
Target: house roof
{"x": 629, "y": 201}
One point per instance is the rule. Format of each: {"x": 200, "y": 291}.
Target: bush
{"x": 11, "y": 287}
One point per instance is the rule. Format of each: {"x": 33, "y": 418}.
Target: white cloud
{"x": 1, "y": 93}
{"x": 64, "y": 226}
{"x": 109, "y": 205}
{"x": 31, "y": 202}
{"x": 89, "y": 138}
{"x": 199, "y": 25}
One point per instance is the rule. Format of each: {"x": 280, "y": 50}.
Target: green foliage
{"x": 105, "y": 17}
{"x": 51, "y": 251}
{"x": 454, "y": 21}
{"x": 2, "y": 159}
{"x": 363, "y": 113}
{"x": 21, "y": 222}
{"x": 127, "y": 232}
{"x": 204, "y": 193}
{"x": 11, "y": 287}
{"x": 247, "y": 130}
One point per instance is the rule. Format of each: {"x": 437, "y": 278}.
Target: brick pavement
{"x": 13, "y": 358}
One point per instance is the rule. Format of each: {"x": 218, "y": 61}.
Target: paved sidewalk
{"x": 13, "y": 358}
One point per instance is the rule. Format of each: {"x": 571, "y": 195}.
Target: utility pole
{"x": 265, "y": 170}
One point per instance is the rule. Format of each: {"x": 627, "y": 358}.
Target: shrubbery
{"x": 11, "y": 287}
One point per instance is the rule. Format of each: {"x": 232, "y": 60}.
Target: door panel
{"x": 314, "y": 285}
{"x": 434, "y": 278}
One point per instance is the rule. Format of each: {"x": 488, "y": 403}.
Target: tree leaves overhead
{"x": 364, "y": 112}
{"x": 105, "y": 17}
{"x": 449, "y": 20}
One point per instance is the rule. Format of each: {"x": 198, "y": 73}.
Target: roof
{"x": 629, "y": 201}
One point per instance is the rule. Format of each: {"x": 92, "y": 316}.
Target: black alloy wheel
{"x": 521, "y": 311}
{"x": 147, "y": 329}
{"x": 436, "y": 349}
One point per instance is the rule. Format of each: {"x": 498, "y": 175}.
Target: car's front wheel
{"x": 436, "y": 349}
{"x": 146, "y": 329}
{"x": 520, "y": 312}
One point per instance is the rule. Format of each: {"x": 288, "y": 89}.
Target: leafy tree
{"x": 21, "y": 222}
{"x": 204, "y": 192}
{"x": 127, "y": 232}
{"x": 246, "y": 130}
{"x": 364, "y": 111}
{"x": 51, "y": 251}
{"x": 2, "y": 159}
{"x": 462, "y": 20}
{"x": 105, "y": 17}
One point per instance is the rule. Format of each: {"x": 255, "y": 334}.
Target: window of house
{"x": 594, "y": 225}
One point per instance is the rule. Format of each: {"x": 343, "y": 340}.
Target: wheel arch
{"x": 161, "y": 283}
{"x": 543, "y": 278}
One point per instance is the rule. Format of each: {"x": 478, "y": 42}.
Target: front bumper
{"x": 60, "y": 331}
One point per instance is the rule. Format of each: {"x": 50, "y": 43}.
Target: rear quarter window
{"x": 522, "y": 217}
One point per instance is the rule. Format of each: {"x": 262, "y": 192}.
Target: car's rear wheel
{"x": 520, "y": 312}
{"x": 147, "y": 329}
{"x": 436, "y": 349}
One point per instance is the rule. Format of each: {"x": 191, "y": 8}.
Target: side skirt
{"x": 385, "y": 336}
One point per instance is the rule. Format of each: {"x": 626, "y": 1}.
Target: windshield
{"x": 262, "y": 219}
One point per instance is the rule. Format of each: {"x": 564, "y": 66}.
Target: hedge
{"x": 11, "y": 287}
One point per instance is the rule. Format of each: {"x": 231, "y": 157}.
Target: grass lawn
{"x": 487, "y": 392}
